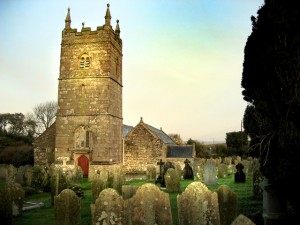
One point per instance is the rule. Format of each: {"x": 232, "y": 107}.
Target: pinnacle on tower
{"x": 107, "y": 16}
{"x": 68, "y": 20}
{"x": 118, "y": 29}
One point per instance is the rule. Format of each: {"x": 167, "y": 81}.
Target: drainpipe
{"x": 123, "y": 150}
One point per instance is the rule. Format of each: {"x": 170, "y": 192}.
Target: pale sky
{"x": 182, "y": 59}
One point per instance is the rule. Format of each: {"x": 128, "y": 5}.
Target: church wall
{"x": 44, "y": 147}
{"x": 141, "y": 149}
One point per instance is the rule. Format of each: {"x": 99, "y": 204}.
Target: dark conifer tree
{"x": 271, "y": 76}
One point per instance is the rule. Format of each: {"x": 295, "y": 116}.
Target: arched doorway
{"x": 83, "y": 162}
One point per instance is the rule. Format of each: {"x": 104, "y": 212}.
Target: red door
{"x": 83, "y": 162}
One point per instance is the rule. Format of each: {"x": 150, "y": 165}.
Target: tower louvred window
{"x": 85, "y": 62}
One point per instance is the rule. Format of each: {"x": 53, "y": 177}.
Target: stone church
{"x": 89, "y": 130}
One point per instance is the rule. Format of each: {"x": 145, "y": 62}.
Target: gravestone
{"x": 128, "y": 191}
{"x": 228, "y": 160}
{"x": 118, "y": 178}
{"x": 257, "y": 179}
{"x": 151, "y": 173}
{"x": 160, "y": 179}
{"x": 99, "y": 183}
{"x": 172, "y": 181}
{"x": 188, "y": 173}
{"x": 179, "y": 170}
{"x": 246, "y": 164}
{"x": 109, "y": 208}
{"x": 274, "y": 204}
{"x": 11, "y": 174}
{"x": 28, "y": 175}
{"x": 199, "y": 168}
{"x": 17, "y": 196}
{"x": 39, "y": 178}
{"x": 75, "y": 174}
{"x": 222, "y": 170}
{"x": 20, "y": 176}
{"x": 209, "y": 176}
{"x": 231, "y": 169}
{"x": 67, "y": 208}
{"x": 227, "y": 200}
{"x": 239, "y": 176}
{"x": 242, "y": 220}
{"x": 150, "y": 206}
{"x": 197, "y": 205}
{"x": 58, "y": 183}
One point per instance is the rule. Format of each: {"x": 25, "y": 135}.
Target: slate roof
{"x": 126, "y": 130}
{"x": 162, "y": 135}
{"x": 179, "y": 151}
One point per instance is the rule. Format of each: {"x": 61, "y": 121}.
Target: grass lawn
{"x": 247, "y": 205}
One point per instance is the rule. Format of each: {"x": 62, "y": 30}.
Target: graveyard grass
{"x": 247, "y": 204}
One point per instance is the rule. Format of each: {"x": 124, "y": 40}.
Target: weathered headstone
{"x": 209, "y": 176}
{"x": 274, "y": 204}
{"x": 222, "y": 170}
{"x": 67, "y": 208}
{"x": 128, "y": 191}
{"x": 172, "y": 181}
{"x": 179, "y": 170}
{"x": 28, "y": 175}
{"x": 242, "y": 220}
{"x": 227, "y": 200}
{"x": 75, "y": 174}
{"x": 188, "y": 173}
{"x": 17, "y": 196}
{"x": 150, "y": 206}
{"x": 39, "y": 178}
{"x": 58, "y": 183}
{"x": 197, "y": 205}
{"x": 239, "y": 176}
{"x": 257, "y": 179}
{"x": 99, "y": 183}
{"x": 11, "y": 174}
{"x": 109, "y": 208}
{"x": 199, "y": 168}
{"x": 231, "y": 169}
{"x": 151, "y": 173}
{"x": 118, "y": 176}
{"x": 20, "y": 175}
{"x": 227, "y": 160}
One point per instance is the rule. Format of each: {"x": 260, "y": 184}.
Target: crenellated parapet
{"x": 69, "y": 33}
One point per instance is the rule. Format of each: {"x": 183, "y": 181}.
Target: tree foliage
{"x": 16, "y": 123}
{"x": 271, "y": 85}
{"x": 200, "y": 148}
{"x": 237, "y": 143}
{"x": 176, "y": 138}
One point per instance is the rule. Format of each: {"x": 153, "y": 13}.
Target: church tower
{"x": 89, "y": 116}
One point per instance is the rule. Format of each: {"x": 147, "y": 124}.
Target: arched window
{"x": 82, "y": 137}
{"x": 85, "y": 61}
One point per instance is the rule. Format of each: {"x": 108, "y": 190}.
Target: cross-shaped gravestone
{"x": 161, "y": 167}
{"x": 160, "y": 179}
